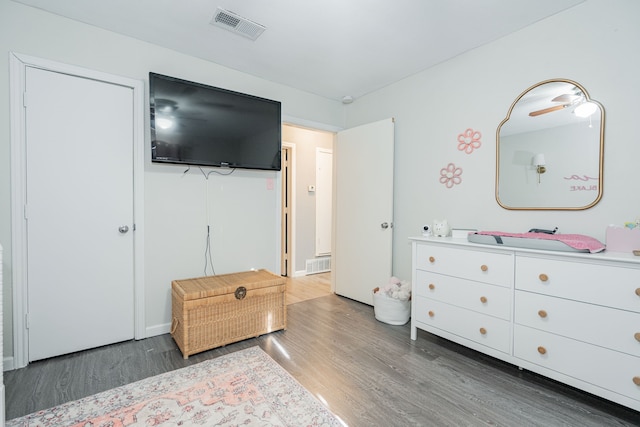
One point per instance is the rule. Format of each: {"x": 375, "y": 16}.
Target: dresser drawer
{"x": 605, "y": 327}
{"x": 487, "y": 267}
{"x": 486, "y": 330}
{"x": 607, "y": 285}
{"x": 481, "y": 297}
{"x": 596, "y": 365}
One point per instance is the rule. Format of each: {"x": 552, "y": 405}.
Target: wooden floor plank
{"x": 308, "y": 287}
{"x": 368, "y": 373}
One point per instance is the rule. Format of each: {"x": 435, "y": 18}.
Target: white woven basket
{"x": 390, "y": 310}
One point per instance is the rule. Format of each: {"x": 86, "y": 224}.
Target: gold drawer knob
{"x": 542, "y": 313}
{"x": 638, "y": 292}
{"x": 484, "y": 267}
{"x": 432, "y": 259}
{"x": 543, "y": 277}
{"x": 483, "y": 331}
{"x": 542, "y": 350}
{"x": 432, "y": 286}
{"x": 431, "y": 313}
{"x": 637, "y": 336}
{"x": 483, "y": 300}
{"x": 636, "y": 380}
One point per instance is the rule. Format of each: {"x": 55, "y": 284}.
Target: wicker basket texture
{"x": 209, "y": 312}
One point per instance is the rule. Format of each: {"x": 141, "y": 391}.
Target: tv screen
{"x": 196, "y": 124}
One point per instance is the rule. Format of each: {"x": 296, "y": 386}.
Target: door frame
{"x": 312, "y": 125}
{"x": 18, "y": 64}
{"x": 288, "y": 230}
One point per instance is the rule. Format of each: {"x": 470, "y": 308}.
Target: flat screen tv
{"x": 201, "y": 125}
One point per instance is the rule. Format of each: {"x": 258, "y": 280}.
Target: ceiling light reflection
{"x": 585, "y": 109}
{"x": 164, "y": 122}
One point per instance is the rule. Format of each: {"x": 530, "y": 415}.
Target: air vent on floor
{"x": 237, "y": 24}
{"x": 318, "y": 265}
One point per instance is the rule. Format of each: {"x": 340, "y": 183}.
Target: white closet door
{"x": 79, "y": 179}
{"x": 324, "y": 197}
{"x": 364, "y": 210}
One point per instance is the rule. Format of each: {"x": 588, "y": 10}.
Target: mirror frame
{"x": 601, "y": 149}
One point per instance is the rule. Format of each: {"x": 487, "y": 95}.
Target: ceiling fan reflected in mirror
{"x": 566, "y": 100}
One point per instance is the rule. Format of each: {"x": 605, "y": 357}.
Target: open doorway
{"x": 302, "y": 174}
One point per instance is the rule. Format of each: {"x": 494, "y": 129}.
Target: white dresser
{"x": 572, "y": 317}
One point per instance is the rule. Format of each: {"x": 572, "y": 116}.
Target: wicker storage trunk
{"x": 212, "y": 311}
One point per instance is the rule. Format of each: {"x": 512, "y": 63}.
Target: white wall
{"x": 244, "y": 210}
{"x": 595, "y": 43}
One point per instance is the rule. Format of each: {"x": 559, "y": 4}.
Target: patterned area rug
{"x": 245, "y": 388}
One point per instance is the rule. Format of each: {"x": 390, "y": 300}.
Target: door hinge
{"x": 26, "y": 320}
{"x": 134, "y": 227}
{"x": 25, "y": 212}
{"x": 24, "y": 99}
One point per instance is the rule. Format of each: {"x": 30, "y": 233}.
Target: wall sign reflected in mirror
{"x": 550, "y": 149}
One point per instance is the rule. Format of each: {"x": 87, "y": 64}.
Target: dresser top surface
{"x": 628, "y": 258}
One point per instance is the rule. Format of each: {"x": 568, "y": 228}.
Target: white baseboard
{"x": 162, "y": 329}
{"x": 300, "y": 273}
{"x": 7, "y": 364}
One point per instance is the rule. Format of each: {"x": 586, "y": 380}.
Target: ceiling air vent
{"x": 237, "y": 24}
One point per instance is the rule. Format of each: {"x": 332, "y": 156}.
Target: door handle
{"x": 123, "y": 229}
{"x": 384, "y": 225}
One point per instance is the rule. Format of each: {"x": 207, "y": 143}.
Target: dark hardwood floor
{"x": 368, "y": 373}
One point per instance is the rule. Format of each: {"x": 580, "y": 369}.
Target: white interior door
{"x": 324, "y": 200}
{"x": 362, "y": 257}
{"x": 79, "y": 213}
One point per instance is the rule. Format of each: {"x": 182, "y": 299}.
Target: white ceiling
{"x": 330, "y": 48}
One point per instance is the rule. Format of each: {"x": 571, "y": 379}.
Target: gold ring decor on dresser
{"x": 572, "y": 317}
